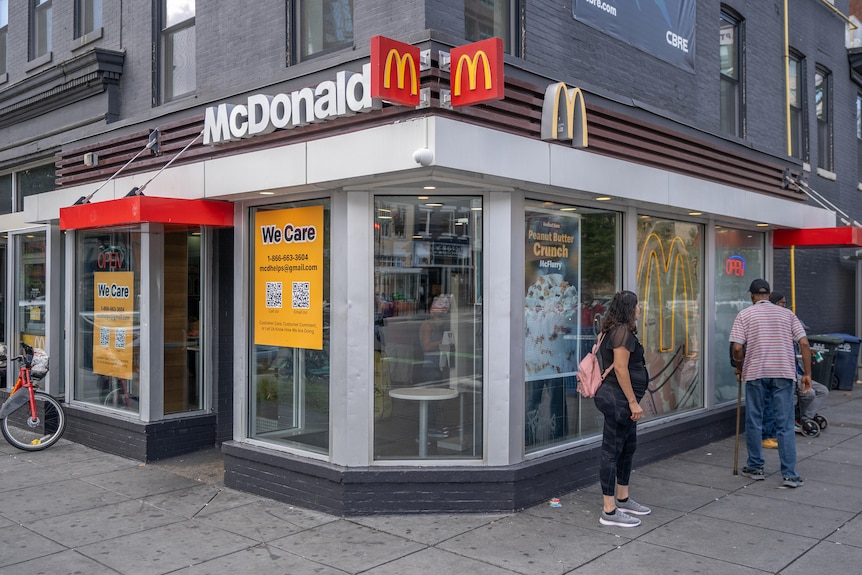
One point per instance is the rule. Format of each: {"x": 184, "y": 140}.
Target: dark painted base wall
{"x": 390, "y": 490}
{"x": 138, "y": 440}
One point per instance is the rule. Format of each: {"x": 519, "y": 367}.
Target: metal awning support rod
{"x": 824, "y": 203}
{"x": 152, "y": 142}
{"x": 139, "y": 191}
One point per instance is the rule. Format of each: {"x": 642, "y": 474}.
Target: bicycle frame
{"x": 17, "y": 400}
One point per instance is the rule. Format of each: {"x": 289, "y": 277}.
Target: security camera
{"x": 423, "y": 156}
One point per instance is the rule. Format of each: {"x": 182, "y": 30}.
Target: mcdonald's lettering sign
{"x": 394, "y": 71}
{"x": 564, "y": 115}
{"x": 476, "y": 72}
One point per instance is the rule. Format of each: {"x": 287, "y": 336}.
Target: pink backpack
{"x": 590, "y": 374}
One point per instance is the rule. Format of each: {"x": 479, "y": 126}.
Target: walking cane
{"x": 738, "y": 409}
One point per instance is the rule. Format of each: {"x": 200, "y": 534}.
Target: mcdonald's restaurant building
{"x": 373, "y": 287}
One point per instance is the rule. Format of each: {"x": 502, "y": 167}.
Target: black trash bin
{"x": 846, "y": 360}
{"x": 824, "y": 371}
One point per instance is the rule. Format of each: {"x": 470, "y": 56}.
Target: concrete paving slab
{"x": 427, "y": 529}
{"x": 534, "y": 545}
{"x": 137, "y": 483}
{"x": 260, "y": 559}
{"x": 788, "y": 516}
{"x": 749, "y": 546}
{"x": 814, "y": 492}
{"x": 437, "y": 562}
{"x": 669, "y": 494}
{"x": 66, "y": 562}
{"x": 21, "y": 545}
{"x": 68, "y": 496}
{"x": 839, "y": 454}
{"x": 187, "y": 502}
{"x": 827, "y": 557}
{"x": 640, "y": 557}
{"x": 16, "y": 472}
{"x": 830, "y": 471}
{"x": 848, "y": 534}
{"x": 102, "y": 523}
{"x": 264, "y": 520}
{"x": 704, "y": 474}
{"x": 347, "y": 546}
{"x": 165, "y": 549}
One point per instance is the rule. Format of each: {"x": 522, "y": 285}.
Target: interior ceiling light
{"x": 603, "y": 198}
{"x": 429, "y": 187}
{"x": 422, "y": 198}
{"x": 568, "y": 209}
{"x": 267, "y": 193}
{"x": 433, "y": 205}
{"x": 695, "y": 213}
{"x": 762, "y": 225}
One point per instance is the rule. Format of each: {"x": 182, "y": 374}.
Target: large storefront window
{"x": 739, "y": 259}
{"x": 669, "y": 284}
{"x": 31, "y": 290}
{"x": 572, "y": 269}
{"x": 428, "y": 327}
{"x": 108, "y": 271}
{"x": 289, "y": 283}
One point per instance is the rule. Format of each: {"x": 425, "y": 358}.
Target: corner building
{"x": 363, "y": 251}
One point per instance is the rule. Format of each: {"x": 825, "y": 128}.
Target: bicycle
{"x": 31, "y": 420}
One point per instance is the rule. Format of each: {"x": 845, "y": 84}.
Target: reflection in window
{"x": 858, "y": 138}
{"x": 324, "y": 26}
{"x": 88, "y": 16}
{"x": 4, "y": 31}
{"x": 427, "y": 327}
{"x": 731, "y": 74}
{"x": 40, "y": 28}
{"x": 669, "y": 284}
{"x": 823, "y": 110}
{"x": 178, "y": 47}
{"x": 485, "y": 19}
{"x": 796, "y": 76}
{"x": 739, "y": 259}
{"x": 572, "y": 270}
{"x": 107, "y": 360}
{"x": 290, "y": 384}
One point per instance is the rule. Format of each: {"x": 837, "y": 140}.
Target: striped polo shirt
{"x": 767, "y": 331}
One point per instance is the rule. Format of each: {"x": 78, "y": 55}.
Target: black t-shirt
{"x": 621, "y": 336}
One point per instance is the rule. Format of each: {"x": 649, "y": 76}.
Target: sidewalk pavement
{"x": 71, "y": 509}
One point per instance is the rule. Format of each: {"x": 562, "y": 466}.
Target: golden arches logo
{"x": 403, "y": 62}
{"x": 567, "y": 122}
{"x": 658, "y": 270}
{"x": 472, "y": 71}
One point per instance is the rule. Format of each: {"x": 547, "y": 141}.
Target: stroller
{"x": 803, "y": 425}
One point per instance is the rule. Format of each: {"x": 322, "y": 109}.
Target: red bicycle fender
{"x": 14, "y": 402}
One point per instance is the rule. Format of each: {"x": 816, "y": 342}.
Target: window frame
{"x": 511, "y": 38}
{"x": 734, "y": 125}
{"x": 4, "y": 38}
{"x": 82, "y": 9}
{"x": 162, "y": 34}
{"x": 296, "y": 24}
{"x": 823, "y": 115}
{"x": 37, "y": 8}
{"x": 798, "y": 133}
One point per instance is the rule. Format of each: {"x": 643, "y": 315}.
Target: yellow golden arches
{"x": 658, "y": 269}
{"x": 569, "y": 123}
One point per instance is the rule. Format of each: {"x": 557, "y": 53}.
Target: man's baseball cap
{"x": 759, "y": 286}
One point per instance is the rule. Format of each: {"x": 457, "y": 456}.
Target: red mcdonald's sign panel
{"x": 476, "y": 72}
{"x": 394, "y": 71}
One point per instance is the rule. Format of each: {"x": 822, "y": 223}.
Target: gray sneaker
{"x": 619, "y": 519}
{"x": 756, "y": 473}
{"x": 793, "y": 481}
{"x": 632, "y": 507}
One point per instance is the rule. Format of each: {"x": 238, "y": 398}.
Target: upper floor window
{"x": 859, "y": 137}
{"x": 731, "y": 74}
{"x": 40, "y": 28}
{"x": 796, "y": 97}
{"x": 324, "y": 26}
{"x": 491, "y": 19}
{"x": 823, "y": 110}
{"x": 4, "y": 27}
{"x": 88, "y": 16}
{"x": 15, "y": 186}
{"x": 177, "y": 48}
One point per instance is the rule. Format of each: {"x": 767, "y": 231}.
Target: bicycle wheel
{"x": 24, "y": 433}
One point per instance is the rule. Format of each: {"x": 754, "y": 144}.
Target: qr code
{"x": 120, "y": 338}
{"x": 104, "y": 336}
{"x": 301, "y": 295}
{"x": 273, "y": 294}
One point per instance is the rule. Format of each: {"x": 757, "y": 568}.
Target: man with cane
{"x": 762, "y": 337}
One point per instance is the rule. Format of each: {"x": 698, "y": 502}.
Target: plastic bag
{"x": 39, "y": 367}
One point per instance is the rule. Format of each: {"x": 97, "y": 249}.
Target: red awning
{"x": 846, "y": 237}
{"x": 147, "y": 209}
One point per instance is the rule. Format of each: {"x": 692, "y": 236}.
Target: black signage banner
{"x": 663, "y": 28}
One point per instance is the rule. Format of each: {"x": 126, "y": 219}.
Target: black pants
{"x": 619, "y": 437}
